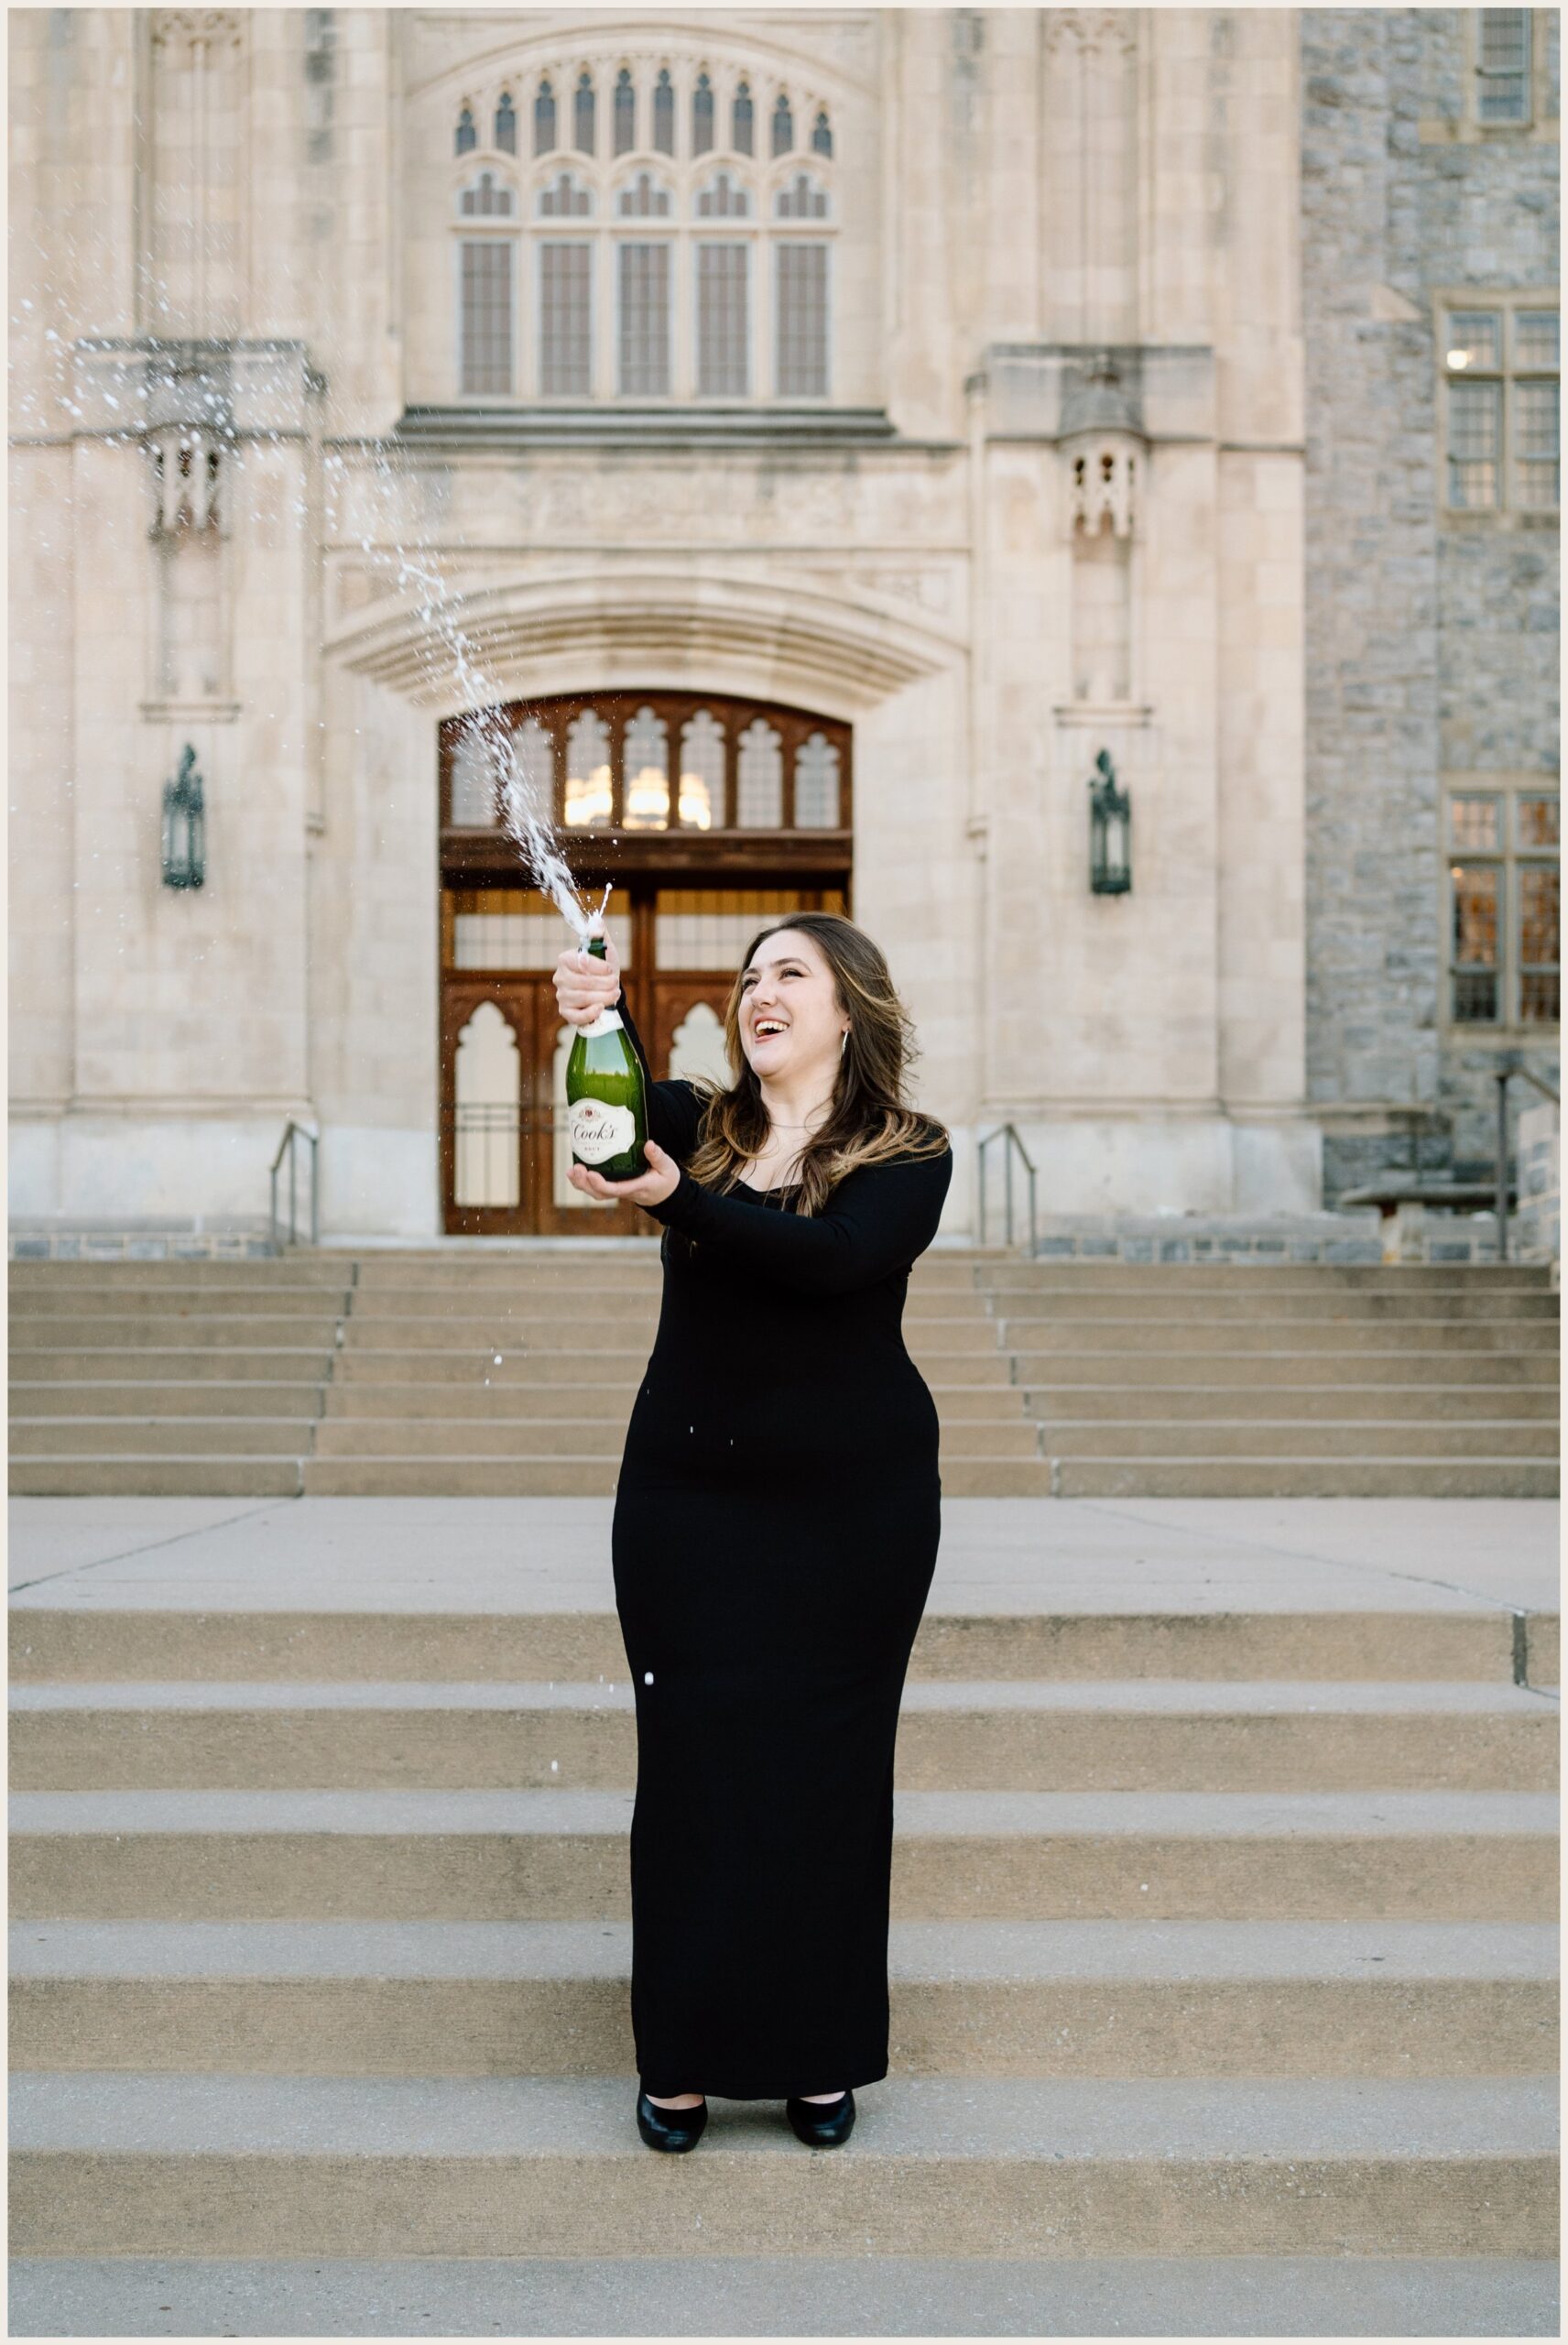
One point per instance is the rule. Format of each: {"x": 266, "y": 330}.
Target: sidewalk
{"x": 998, "y": 1555}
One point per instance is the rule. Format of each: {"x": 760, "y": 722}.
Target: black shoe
{"x": 669, "y": 2128}
{"x": 821, "y": 2124}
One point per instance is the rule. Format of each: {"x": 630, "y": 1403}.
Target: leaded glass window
{"x": 723, "y": 197}
{"x": 566, "y": 197}
{"x": 1501, "y": 416}
{"x": 583, "y": 115}
{"x": 759, "y": 778}
{"x": 1503, "y": 907}
{"x": 800, "y": 337}
{"x": 645, "y": 771}
{"x": 703, "y": 117}
{"x": 723, "y": 320}
{"x": 663, "y": 113}
{"x": 1502, "y": 70}
{"x": 487, "y": 318}
{"x": 624, "y": 139}
{"x": 590, "y": 794}
{"x": 701, "y": 791}
{"x": 816, "y": 784}
{"x": 644, "y": 275}
{"x": 566, "y": 321}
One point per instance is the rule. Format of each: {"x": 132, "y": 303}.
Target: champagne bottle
{"x": 607, "y": 1105}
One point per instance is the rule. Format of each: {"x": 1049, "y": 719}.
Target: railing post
{"x": 1502, "y": 1083}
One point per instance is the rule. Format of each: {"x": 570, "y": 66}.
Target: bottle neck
{"x": 596, "y": 947}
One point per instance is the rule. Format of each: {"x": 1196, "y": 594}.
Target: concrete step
{"x": 525, "y": 1438}
{"x": 970, "y": 1856}
{"x": 164, "y": 1364}
{"x": 117, "y": 1476}
{"x": 164, "y": 1398}
{"x": 1130, "y": 1405}
{"x": 104, "y": 2164}
{"x": 170, "y": 1301}
{"x": 962, "y": 1476}
{"x": 1455, "y": 1338}
{"x": 285, "y": 1274}
{"x": 968, "y": 1998}
{"x": 1160, "y": 1363}
{"x": 537, "y": 1366}
{"x": 413, "y": 1333}
{"x": 178, "y": 1435}
{"x": 356, "y": 1398}
{"x": 1017, "y": 1274}
{"x": 1219, "y": 1476}
{"x": 1442, "y": 1640}
{"x": 193, "y": 1330}
{"x": 582, "y": 1313}
{"x": 803, "y": 2294}
{"x": 1338, "y": 1305}
{"x": 1347, "y": 1438}
{"x": 1166, "y": 1734}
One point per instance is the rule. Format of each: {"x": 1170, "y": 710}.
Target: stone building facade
{"x": 835, "y": 441}
{"x": 1430, "y": 219}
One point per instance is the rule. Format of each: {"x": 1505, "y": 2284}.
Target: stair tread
{"x": 925, "y": 1952}
{"x": 1173, "y": 1696}
{"x": 953, "y": 2119}
{"x": 1328, "y": 2294}
{"x": 1099, "y": 1815}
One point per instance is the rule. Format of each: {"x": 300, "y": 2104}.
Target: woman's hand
{"x": 645, "y": 1189}
{"x": 584, "y": 984}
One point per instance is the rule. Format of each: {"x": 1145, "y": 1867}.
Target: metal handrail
{"x": 293, "y": 1132}
{"x": 1503, "y": 1077}
{"x": 1009, "y": 1133}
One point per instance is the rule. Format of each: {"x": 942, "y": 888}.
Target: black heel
{"x": 822, "y": 2124}
{"x": 669, "y": 2128}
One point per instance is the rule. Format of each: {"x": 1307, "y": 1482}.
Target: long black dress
{"x": 775, "y": 1534}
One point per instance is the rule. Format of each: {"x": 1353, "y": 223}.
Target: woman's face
{"x": 790, "y": 1022}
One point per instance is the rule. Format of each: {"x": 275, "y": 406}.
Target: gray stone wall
{"x": 1429, "y": 647}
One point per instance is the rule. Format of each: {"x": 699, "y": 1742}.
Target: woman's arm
{"x": 876, "y": 1220}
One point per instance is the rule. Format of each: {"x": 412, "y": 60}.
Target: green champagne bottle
{"x": 606, "y": 1102}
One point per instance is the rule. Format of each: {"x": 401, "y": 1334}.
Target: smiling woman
{"x": 776, "y": 1527}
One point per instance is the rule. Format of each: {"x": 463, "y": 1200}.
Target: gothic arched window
{"x": 467, "y": 137}
{"x": 544, "y": 120}
{"x": 583, "y": 115}
{"x": 663, "y": 113}
{"x": 506, "y": 126}
{"x": 822, "y": 136}
{"x": 783, "y": 126}
{"x": 703, "y": 117}
{"x": 624, "y": 141}
{"x": 486, "y": 198}
{"x": 741, "y": 120}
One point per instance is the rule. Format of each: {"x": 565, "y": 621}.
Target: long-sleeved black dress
{"x": 776, "y": 1526}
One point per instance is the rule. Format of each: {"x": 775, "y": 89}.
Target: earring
{"x": 843, "y": 1042}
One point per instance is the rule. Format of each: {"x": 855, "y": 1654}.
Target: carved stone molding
{"x": 1090, "y": 30}
{"x": 188, "y": 30}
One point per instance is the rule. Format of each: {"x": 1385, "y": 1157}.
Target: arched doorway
{"x": 710, "y": 815}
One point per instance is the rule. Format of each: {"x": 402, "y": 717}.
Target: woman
{"x": 775, "y": 1532}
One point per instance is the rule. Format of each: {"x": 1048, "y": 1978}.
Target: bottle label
{"x": 608, "y": 1022}
{"x": 600, "y": 1131}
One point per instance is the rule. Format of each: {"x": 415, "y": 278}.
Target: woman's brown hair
{"x": 870, "y": 1120}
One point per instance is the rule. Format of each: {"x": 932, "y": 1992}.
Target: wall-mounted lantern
{"x": 184, "y": 826}
{"x": 1110, "y": 832}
